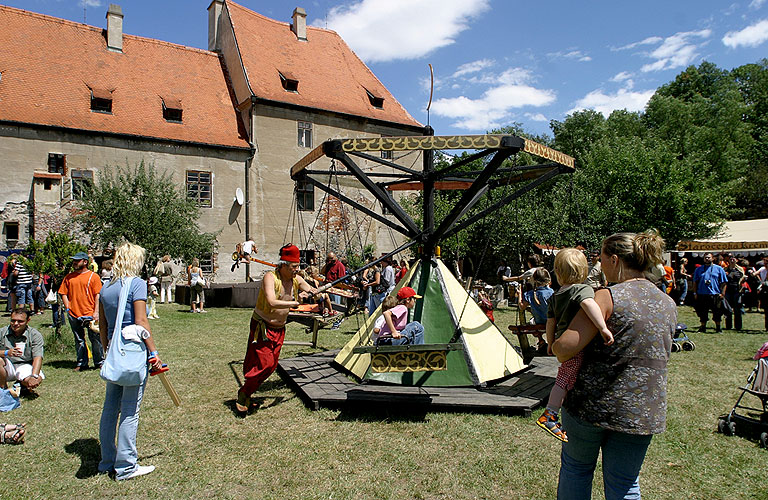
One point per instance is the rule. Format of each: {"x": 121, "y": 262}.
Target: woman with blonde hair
{"x": 196, "y": 283}
{"x": 619, "y": 399}
{"x": 121, "y": 458}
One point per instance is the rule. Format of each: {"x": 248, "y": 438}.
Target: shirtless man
{"x": 280, "y": 290}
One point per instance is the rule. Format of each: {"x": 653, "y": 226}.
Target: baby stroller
{"x": 680, "y": 340}
{"x": 753, "y": 421}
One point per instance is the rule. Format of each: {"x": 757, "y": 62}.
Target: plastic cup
{"x": 21, "y": 345}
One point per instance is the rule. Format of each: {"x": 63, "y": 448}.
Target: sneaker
{"x": 702, "y": 329}
{"x": 141, "y": 470}
{"x": 548, "y": 422}
{"x": 202, "y": 311}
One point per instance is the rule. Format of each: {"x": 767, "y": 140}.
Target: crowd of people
{"x": 609, "y": 318}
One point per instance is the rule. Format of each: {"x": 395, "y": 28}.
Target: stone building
{"x": 76, "y": 98}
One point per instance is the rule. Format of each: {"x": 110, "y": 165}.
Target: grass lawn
{"x": 284, "y": 451}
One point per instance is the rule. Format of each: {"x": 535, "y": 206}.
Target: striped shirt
{"x": 24, "y": 277}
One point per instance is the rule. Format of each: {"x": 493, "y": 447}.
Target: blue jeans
{"x": 413, "y": 332}
{"x": 125, "y": 402}
{"x": 374, "y": 301}
{"x": 623, "y": 456}
{"x": 683, "y": 291}
{"x": 24, "y": 294}
{"x": 80, "y": 348}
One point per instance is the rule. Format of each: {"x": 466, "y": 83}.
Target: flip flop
{"x": 242, "y": 405}
{"x": 16, "y": 438}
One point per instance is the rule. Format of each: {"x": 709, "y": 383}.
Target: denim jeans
{"x": 80, "y": 348}
{"x": 733, "y": 319}
{"x": 125, "y": 402}
{"x": 413, "y": 332}
{"x": 683, "y": 291}
{"x": 374, "y": 301}
{"x": 24, "y": 294}
{"x": 623, "y": 456}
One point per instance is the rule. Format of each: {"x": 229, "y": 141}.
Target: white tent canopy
{"x": 744, "y": 237}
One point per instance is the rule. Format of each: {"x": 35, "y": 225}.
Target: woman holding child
{"x": 619, "y": 400}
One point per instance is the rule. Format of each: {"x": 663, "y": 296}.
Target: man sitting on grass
{"x": 22, "y": 352}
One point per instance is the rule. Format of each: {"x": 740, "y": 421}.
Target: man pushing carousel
{"x": 281, "y": 290}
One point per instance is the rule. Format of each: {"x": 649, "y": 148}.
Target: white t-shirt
{"x": 248, "y": 246}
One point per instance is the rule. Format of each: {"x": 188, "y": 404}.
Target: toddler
{"x": 571, "y": 270}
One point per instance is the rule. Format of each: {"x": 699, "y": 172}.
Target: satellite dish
{"x": 239, "y": 198}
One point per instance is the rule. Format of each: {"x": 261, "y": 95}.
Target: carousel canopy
{"x": 746, "y": 237}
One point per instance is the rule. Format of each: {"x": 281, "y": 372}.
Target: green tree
{"x": 146, "y": 207}
{"x": 52, "y": 257}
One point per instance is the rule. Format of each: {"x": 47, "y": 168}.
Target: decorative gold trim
{"x": 550, "y": 154}
{"x": 409, "y": 361}
{"x": 428, "y": 142}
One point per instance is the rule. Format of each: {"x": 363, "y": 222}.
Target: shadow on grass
{"x": 89, "y": 452}
{"x": 257, "y": 403}
{"x": 384, "y": 413}
{"x": 61, "y": 363}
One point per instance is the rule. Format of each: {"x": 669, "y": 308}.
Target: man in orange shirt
{"x": 80, "y": 291}
{"x": 669, "y": 277}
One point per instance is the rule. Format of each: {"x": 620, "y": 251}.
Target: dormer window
{"x": 376, "y": 101}
{"x": 101, "y": 101}
{"x": 289, "y": 82}
{"x": 172, "y": 109}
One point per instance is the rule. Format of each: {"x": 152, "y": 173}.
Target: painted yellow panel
{"x": 358, "y": 363}
{"x": 492, "y": 356}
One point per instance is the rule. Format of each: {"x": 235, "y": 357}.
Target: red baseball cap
{"x": 290, "y": 253}
{"x": 407, "y": 292}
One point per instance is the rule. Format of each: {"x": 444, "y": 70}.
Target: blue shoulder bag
{"x": 126, "y": 361}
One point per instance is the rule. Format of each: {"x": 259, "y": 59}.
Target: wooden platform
{"x": 319, "y": 383}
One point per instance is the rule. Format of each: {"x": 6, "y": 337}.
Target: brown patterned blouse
{"x": 623, "y": 387}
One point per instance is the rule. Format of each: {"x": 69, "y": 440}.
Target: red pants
{"x": 261, "y": 356}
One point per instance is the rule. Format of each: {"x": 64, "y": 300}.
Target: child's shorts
{"x": 568, "y": 371}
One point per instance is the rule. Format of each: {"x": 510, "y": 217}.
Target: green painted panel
{"x": 439, "y": 328}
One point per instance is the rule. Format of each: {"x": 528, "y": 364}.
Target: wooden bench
{"x": 538, "y": 332}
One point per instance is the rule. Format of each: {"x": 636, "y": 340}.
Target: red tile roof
{"x": 331, "y": 77}
{"x": 48, "y": 67}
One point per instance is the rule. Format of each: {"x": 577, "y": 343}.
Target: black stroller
{"x": 753, "y": 422}
{"x": 680, "y": 340}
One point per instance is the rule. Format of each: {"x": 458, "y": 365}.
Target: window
{"x": 305, "y": 196}
{"x": 47, "y": 184}
{"x": 376, "y": 101}
{"x": 101, "y": 101}
{"x": 386, "y": 155}
{"x": 289, "y": 82}
{"x": 57, "y": 163}
{"x": 82, "y": 180}
{"x": 206, "y": 264}
{"x": 199, "y": 187}
{"x": 172, "y": 109}
{"x": 305, "y": 134}
{"x": 11, "y": 231}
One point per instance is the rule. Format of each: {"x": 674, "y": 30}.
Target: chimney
{"x": 214, "y": 14}
{"x": 299, "y": 25}
{"x": 115, "y": 28}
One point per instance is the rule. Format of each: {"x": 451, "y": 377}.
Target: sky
{"x": 496, "y": 62}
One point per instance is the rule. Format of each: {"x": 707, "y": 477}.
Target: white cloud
{"x": 676, "y": 51}
{"x": 620, "y": 77}
{"x": 606, "y": 103}
{"x": 473, "y": 67}
{"x": 492, "y": 108}
{"x": 756, "y": 4}
{"x": 751, "y": 36}
{"x": 536, "y": 117}
{"x": 572, "y": 54}
{"x": 401, "y": 29}
{"x": 90, "y": 3}
{"x": 651, "y": 40}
